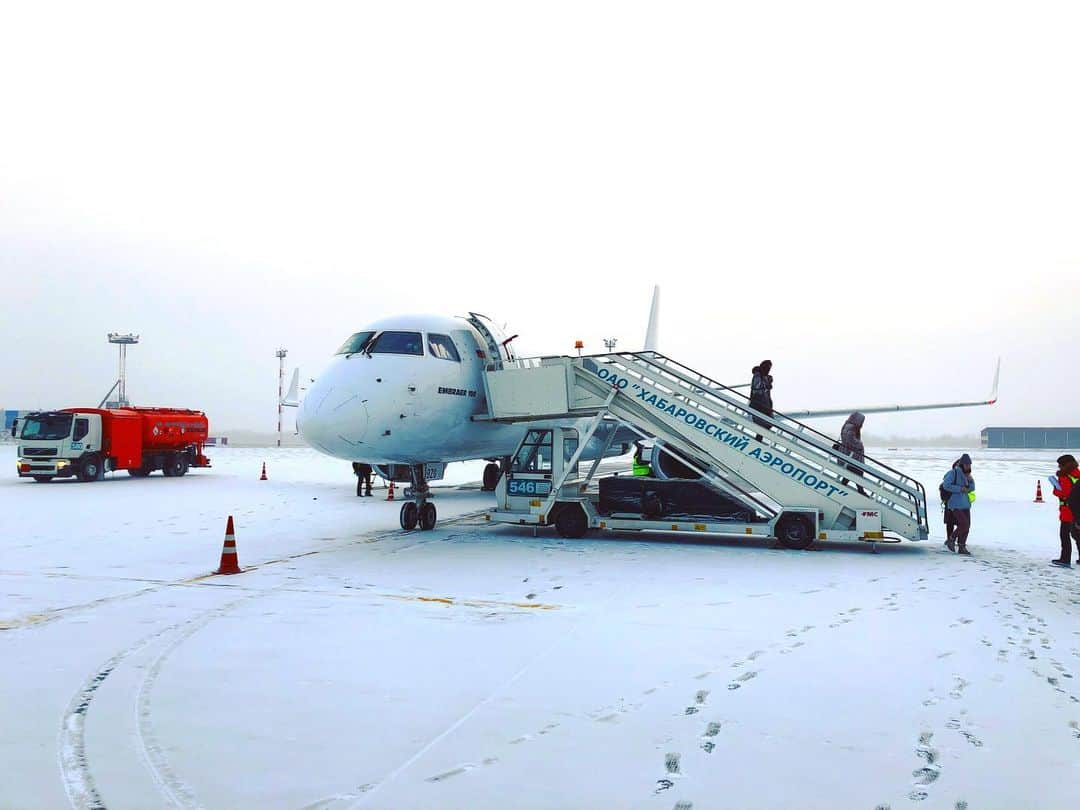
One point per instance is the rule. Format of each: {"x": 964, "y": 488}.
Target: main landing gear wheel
{"x": 428, "y": 516}
{"x": 795, "y": 532}
{"x": 491, "y": 477}
{"x": 409, "y": 515}
{"x": 571, "y": 522}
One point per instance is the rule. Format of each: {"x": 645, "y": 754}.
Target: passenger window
{"x": 355, "y": 343}
{"x": 397, "y": 343}
{"x": 534, "y": 455}
{"x": 82, "y": 427}
{"x": 443, "y": 347}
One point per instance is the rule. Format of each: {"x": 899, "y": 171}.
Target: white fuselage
{"x": 407, "y": 408}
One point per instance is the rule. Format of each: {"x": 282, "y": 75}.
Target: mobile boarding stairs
{"x": 788, "y": 480}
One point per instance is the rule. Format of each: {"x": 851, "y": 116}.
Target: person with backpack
{"x": 761, "y": 392}
{"x": 961, "y": 488}
{"x": 1067, "y": 491}
{"x": 851, "y": 444}
{"x": 950, "y": 519}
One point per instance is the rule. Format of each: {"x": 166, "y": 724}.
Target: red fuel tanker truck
{"x": 88, "y": 442}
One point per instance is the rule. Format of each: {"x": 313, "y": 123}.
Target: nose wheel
{"x": 428, "y": 515}
{"x": 409, "y": 516}
{"x": 419, "y": 511}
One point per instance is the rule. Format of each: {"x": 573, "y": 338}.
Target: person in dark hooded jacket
{"x": 851, "y": 443}
{"x": 761, "y": 392}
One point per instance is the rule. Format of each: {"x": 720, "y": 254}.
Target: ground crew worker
{"x": 363, "y": 478}
{"x": 641, "y": 467}
{"x": 1068, "y": 478}
{"x": 961, "y": 488}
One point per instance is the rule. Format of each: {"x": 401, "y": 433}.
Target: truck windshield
{"x": 47, "y": 426}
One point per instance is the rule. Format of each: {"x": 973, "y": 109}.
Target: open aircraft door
{"x": 498, "y": 345}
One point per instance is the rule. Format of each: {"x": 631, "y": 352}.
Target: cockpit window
{"x": 397, "y": 343}
{"x": 443, "y": 347}
{"x": 356, "y": 343}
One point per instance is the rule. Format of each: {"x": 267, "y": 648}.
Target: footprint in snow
{"x": 711, "y": 730}
{"x": 671, "y": 762}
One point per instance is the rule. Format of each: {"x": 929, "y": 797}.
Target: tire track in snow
{"x": 171, "y": 786}
{"x": 75, "y": 768}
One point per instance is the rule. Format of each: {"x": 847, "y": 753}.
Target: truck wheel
{"x": 571, "y": 522}
{"x": 43, "y": 479}
{"x": 173, "y": 466}
{"x": 795, "y": 531}
{"x": 428, "y": 516}
{"x": 90, "y": 469}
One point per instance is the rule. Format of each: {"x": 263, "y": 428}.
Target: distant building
{"x": 10, "y": 417}
{"x": 1032, "y": 438}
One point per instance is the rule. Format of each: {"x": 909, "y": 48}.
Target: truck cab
{"x": 55, "y": 444}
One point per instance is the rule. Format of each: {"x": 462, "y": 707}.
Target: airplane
{"x": 402, "y": 393}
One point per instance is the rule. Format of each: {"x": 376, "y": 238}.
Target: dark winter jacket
{"x": 761, "y": 391}
{"x": 851, "y": 437}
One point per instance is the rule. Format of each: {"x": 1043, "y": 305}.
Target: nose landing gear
{"x": 420, "y": 510}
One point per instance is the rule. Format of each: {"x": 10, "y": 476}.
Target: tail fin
{"x": 997, "y": 377}
{"x": 652, "y": 334}
{"x": 292, "y": 398}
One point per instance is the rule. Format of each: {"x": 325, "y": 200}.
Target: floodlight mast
{"x": 123, "y": 341}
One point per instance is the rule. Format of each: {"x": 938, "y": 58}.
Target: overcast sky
{"x": 880, "y": 197}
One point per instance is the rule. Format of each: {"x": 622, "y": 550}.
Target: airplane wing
{"x": 896, "y": 408}
{"x": 292, "y": 397}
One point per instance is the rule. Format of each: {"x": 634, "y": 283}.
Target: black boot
{"x": 1061, "y": 564}
{"x": 950, "y": 544}
{"x": 963, "y": 550}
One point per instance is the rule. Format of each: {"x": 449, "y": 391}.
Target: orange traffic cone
{"x": 390, "y": 492}
{"x": 263, "y": 476}
{"x": 229, "y": 564}
{"x": 1038, "y": 492}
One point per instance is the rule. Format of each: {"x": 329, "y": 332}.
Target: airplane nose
{"x": 334, "y": 418}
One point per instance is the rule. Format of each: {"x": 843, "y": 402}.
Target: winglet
{"x": 652, "y": 334}
{"x": 292, "y": 398}
{"x": 997, "y": 377}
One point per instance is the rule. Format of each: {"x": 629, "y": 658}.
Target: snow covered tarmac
{"x": 473, "y": 666}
